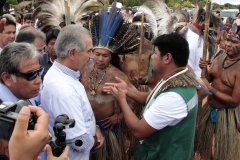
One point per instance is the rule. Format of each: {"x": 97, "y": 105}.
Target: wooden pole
{"x": 67, "y": 12}
{"x": 205, "y": 38}
{"x": 141, "y": 44}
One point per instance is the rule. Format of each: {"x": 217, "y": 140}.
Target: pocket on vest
{"x": 147, "y": 151}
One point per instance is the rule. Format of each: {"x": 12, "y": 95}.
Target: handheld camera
{"x": 61, "y": 122}
{"x": 8, "y": 115}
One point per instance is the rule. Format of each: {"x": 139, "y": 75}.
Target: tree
{"x": 9, "y": 2}
{"x": 177, "y": 5}
{"x": 187, "y": 4}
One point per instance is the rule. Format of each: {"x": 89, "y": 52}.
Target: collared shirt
{"x": 63, "y": 94}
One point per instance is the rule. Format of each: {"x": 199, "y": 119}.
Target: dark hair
{"x": 138, "y": 17}
{"x": 115, "y": 61}
{"x": 237, "y": 14}
{"x": 174, "y": 44}
{"x": 52, "y": 34}
{"x": 27, "y": 17}
{"x": 29, "y": 35}
{"x": 10, "y": 20}
{"x": 13, "y": 55}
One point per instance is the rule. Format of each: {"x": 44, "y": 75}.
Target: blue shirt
{"x": 7, "y": 95}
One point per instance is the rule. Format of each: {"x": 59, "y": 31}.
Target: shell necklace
{"x": 92, "y": 80}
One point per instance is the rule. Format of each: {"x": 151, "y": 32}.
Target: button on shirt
{"x": 63, "y": 94}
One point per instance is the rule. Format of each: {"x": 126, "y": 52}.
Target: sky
{"x": 226, "y": 1}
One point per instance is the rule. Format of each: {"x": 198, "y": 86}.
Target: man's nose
{"x": 101, "y": 58}
{"x": 38, "y": 80}
{"x": 91, "y": 55}
{"x": 13, "y": 35}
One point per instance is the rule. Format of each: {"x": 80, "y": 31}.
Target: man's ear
{"x": 168, "y": 58}
{"x": 71, "y": 53}
{"x": 7, "y": 79}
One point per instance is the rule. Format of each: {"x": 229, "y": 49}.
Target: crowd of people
{"x": 134, "y": 93}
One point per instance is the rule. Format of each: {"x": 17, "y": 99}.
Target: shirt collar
{"x": 66, "y": 70}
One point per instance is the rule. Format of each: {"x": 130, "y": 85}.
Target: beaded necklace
{"x": 92, "y": 80}
{"x": 228, "y": 65}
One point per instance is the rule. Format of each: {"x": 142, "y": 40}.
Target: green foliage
{"x": 215, "y": 6}
{"x": 177, "y": 5}
{"x": 171, "y": 3}
{"x": 9, "y": 2}
{"x": 131, "y": 3}
{"x": 187, "y": 4}
{"x": 202, "y": 3}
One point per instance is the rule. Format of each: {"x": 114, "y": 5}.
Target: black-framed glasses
{"x": 31, "y": 75}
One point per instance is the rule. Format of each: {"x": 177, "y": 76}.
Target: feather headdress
{"x": 51, "y": 13}
{"x": 167, "y": 20}
{"x": 110, "y": 31}
{"x": 199, "y": 19}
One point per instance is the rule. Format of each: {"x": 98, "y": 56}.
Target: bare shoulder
{"x": 115, "y": 72}
{"x": 86, "y": 73}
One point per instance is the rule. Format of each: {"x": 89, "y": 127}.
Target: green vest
{"x": 173, "y": 142}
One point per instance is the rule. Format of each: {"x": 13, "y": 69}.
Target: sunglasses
{"x": 31, "y": 75}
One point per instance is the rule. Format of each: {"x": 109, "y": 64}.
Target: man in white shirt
{"x": 63, "y": 93}
{"x": 11, "y": 10}
{"x": 195, "y": 43}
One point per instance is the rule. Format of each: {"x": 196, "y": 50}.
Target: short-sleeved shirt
{"x": 161, "y": 113}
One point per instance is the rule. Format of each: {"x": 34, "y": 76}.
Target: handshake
{"x": 26, "y": 144}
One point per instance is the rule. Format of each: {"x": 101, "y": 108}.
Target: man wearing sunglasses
{"x": 219, "y": 117}
{"x": 19, "y": 73}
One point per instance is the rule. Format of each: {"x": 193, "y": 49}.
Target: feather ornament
{"x": 110, "y": 30}
{"x": 150, "y": 18}
{"x": 50, "y": 13}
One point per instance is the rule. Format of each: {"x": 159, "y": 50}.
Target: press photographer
{"x": 30, "y": 134}
{"x": 19, "y": 74}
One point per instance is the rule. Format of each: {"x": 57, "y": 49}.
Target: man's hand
{"x": 118, "y": 90}
{"x": 99, "y": 139}
{"x": 112, "y": 121}
{"x": 2, "y": 23}
{"x": 64, "y": 155}
{"x": 28, "y": 144}
{"x": 206, "y": 84}
{"x": 202, "y": 64}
